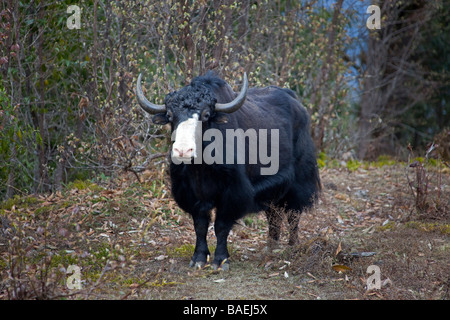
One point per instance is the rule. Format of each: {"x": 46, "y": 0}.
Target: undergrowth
{"x": 129, "y": 238}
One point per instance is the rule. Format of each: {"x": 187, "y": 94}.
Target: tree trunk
{"x": 44, "y": 182}
{"x": 322, "y": 87}
{"x": 10, "y": 186}
{"x": 392, "y": 81}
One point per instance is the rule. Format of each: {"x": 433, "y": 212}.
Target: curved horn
{"x": 144, "y": 103}
{"x": 237, "y": 102}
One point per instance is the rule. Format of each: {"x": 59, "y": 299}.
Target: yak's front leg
{"x": 222, "y": 228}
{"x": 201, "y": 252}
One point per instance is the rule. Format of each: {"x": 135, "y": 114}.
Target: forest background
{"x": 67, "y": 103}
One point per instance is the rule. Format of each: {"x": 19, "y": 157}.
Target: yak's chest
{"x": 197, "y": 182}
{"x": 205, "y": 185}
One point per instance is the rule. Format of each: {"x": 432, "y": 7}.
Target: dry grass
{"x": 132, "y": 242}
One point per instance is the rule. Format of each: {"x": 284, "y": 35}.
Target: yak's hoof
{"x": 197, "y": 265}
{"x": 224, "y": 266}
{"x": 272, "y": 245}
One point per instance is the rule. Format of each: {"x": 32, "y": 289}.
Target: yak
{"x": 208, "y": 112}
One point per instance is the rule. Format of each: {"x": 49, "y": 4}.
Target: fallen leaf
{"x": 339, "y": 249}
{"x": 341, "y": 196}
{"x": 268, "y": 264}
{"x": 219, "y": 280}
{"x": 134, "y": 286}
{"x": 309, "y": 274}
{"x": 273, "y": 274}
{"x": 50, "y": 198}
{"x": 341, "y": 268}
{"x": 313, "y": 295}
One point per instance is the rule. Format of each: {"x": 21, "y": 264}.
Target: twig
{"x": 131, "y": 291}
{"x": 105, "y": 268}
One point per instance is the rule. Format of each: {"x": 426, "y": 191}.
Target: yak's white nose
{"x": 184, "y": 146}
{"x": 183, "y": 153}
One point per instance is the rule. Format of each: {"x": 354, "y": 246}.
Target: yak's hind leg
{"x": 293, "y": 217}
{"x": 274, "y": 219}
{"x": 296, "y": 200}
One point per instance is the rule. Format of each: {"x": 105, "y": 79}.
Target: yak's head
{"x": 186, "y": 108}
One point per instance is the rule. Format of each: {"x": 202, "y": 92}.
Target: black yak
{"x": 209, "y": 170}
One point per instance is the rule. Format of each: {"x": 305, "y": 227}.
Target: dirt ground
{"x": 131, "y": 241}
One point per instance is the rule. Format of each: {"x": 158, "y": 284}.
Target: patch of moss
{"x": 333, "y": 164}
{"x": 321, "y": 159}
{"x": 387, "y": 227}
{"x": 163, "y": 283}
{"x": 430, "y": 226}
{"x": 83, "y": 185}
{"x": 18, "y": 201}
{"x": 382, "y": 161}
{"x": 63, "y": 258}
{"x": 320, "y": 163}
{"x": 105, "y": 252}
{"x": 44, "y": 210}
{"x": 184, "y": 251}
{"x": 249, "y": 220}
{"x": 353, "y": 165}
{"x": 133, "y": 281}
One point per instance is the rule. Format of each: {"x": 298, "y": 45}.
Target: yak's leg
{"x": 274, "y": 219}
{"x": 293, "y": 218}
{"x": 222, "y": 228}
{"x": 201, "y": 252}
{"x": 295, "y": 201}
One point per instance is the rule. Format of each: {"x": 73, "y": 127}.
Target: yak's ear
{"x": 220, "y": 117}
{"x": 160, "y": 118}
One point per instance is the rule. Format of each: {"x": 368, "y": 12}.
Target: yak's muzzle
{"x": 185, "y": 147}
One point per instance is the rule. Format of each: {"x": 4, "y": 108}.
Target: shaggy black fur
{"x": 235, "y": 190}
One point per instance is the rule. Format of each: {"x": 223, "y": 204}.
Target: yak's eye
{"x": 205, "y": 115}
{"x": 169, "y": 115}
